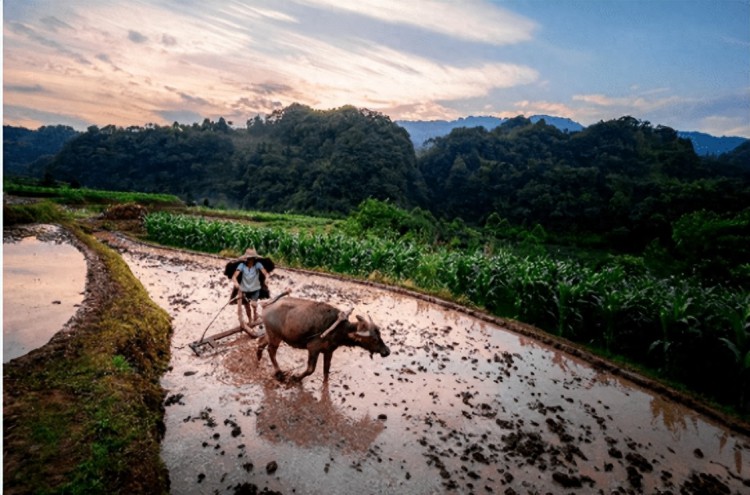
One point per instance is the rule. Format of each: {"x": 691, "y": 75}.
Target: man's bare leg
{"x": 239, "y": 312}
{"x": 249, "y": 310}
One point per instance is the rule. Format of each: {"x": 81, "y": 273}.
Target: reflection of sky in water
{"x": 43, "y": 283}
{"x": 451, "y": 383}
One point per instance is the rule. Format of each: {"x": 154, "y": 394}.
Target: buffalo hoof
{"x": 280, "y": 376}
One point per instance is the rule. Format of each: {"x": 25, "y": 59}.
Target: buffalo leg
{"x": 326, "y": 364}
{"x": 312, "y": 360}
{"x": 272, "y": 354}
{"x": 262, "y": 344}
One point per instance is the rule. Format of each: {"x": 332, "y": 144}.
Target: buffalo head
{"x": 366, "y": 335}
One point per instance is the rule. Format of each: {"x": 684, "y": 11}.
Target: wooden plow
{"x": 204, "y": 342}
{"x": 201, "y": 345}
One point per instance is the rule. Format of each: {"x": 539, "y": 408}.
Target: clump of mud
{"x": 128, "y": 211}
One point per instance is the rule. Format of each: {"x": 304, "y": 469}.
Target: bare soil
{"x": 465, "y": 403}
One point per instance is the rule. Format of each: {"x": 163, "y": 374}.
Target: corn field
{"x": 680, "y": 329}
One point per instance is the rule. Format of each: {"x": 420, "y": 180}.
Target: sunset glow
{"x": 685, "y": 64}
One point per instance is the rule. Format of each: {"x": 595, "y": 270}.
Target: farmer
{"x": 249, "y": 288}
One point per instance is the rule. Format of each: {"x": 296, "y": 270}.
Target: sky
{"x": 678, "y": 63}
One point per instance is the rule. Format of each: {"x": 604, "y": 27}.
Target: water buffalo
{"x": 317, "y": 327}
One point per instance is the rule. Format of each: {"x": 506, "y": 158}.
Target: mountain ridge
{"x": 422, "y": 130}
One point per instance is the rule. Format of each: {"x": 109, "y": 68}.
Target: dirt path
{"x": 459, "y": 406}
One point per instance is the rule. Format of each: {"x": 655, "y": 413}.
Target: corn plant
{"x": 739, "y": 345}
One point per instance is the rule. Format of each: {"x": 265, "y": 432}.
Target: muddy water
{"x": 43, "y": 284}
{"x": 459, "y": 406}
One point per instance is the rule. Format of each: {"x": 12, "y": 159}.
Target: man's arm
{"x": 234, "y": 277}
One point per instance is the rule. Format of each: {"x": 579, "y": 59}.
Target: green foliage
{"x": 715, "y": 246}
{"x": 120, "y": 363}
{"x": 383, "y": 219}
{"x": 78, "y": 196}
{"x": 289, "y": 221}
{"x": 24, "y": 150}
{"x": 37, "y": 212}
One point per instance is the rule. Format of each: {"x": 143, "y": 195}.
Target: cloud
{"x": 193, "y": 100}
{"x": 735, "y": 42}
{"x": 168, "y": 40}
{"x": 35, "y": 88}
{"x": 722, "y": 114}
{"x": 249, "y": 106}
{"x": 365, "y": 74}
{"x": 234, "y": 57}
{"x": 640, "y": 102}
{"x": 270, "y": 88}
{"x": 473, "y": 20}
{"x": 35, "y": 38}
{"x": 425, "y": 110}
{"x": 136, "y": 37}
{"x": 261, "y": 13}
{"x": 107, "y": 60}
{"x": 419, "y": 60}
{"x": 720, "y": 125}
{"x": 181, "y": 116}
{"x": 529, "y": 108}
{"x": 31, "y": 118}
{"x": 55, "y": 24}
{"x": 647, "y": 105}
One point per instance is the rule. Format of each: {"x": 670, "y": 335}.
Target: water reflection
{"x": 673, "y": 417}
{"x": 296, "y": 416}
{"x": 44, "y": 280}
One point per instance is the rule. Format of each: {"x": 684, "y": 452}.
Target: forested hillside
{"x": 297, "y": 159}
{"x": 624, "y": 180}
{"x": 25, "y": 152}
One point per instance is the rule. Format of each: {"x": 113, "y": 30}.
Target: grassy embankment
{"x": 83, "y": 196}
{"x": 84, "y": 413}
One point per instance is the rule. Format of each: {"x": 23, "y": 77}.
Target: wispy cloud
{"x": 541, "y": 107}
{"x": 55, "y": 24}
{"x": 468, "y": 20}
{"x": 640, "y": 102}
{"x": 31, "y": 117}
{"x": 34, "y": 88}
{"x": 136, "y": 37}
{"x": 36, "y": 38}
{"x": 736, "y": 42}
{"x": 168, "y": 40}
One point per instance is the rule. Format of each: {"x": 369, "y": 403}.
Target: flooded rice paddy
{"x": 460, "y": 406}
{"x": 44, "y": 279}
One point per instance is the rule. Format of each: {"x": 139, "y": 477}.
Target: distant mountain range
{"x": 706, "y": 144}
{"x": 421, "y": 130}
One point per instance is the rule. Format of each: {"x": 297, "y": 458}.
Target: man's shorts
{"x": 250, "y": 296}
